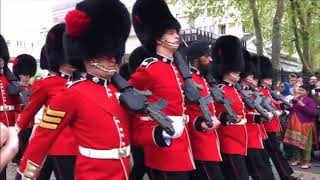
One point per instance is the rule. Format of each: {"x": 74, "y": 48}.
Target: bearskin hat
{"x": 54, "y": 47}
{"x": 266, "y": 69}
{"x": 96, "y": 28}
{"x": 151, "y": 19}
{"x": 4, "y": 52}
{"x": 256, "y": 63}
{"x": 227, "y": 55}
{"x": 198, "y": 49}
{"x": 24, "y": 64}
{"x": 124, "y": 71}
{"x": 43, "y": 59}
{"x": 136, "y": 57}
{"x": 249, "y": 67}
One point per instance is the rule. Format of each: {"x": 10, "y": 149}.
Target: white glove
{"x": 178, "y": 127}
{"x": 270, "y": 115}
{"x": 279, "y": 113}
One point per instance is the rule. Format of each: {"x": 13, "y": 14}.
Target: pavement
{"x": 309, "y": 174}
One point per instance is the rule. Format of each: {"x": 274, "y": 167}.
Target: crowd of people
{"x": 301, "y": 121}
{"x": 211, "y": 114}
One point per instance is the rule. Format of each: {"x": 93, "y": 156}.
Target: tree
{"x": 257, "y": 27}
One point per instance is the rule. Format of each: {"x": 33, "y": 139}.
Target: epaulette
{"x": 147, "y": 62}
{"x": 71, "y": 83}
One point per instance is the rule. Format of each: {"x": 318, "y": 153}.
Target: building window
{"x": 222, "y": 29}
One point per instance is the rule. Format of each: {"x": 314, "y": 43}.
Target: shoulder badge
{"x": 147, "y": 62}
{"x": 71, "y": 83}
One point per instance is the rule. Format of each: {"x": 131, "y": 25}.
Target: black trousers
{"x": 62, "y": 166}
{"x": 167, "y": 175}
{"x": 3, "y": 175}
{"x": 282, "y": 165}
{"x": 23, "y": 143}
{"x": 139, "y": 169}
{"x": 257, "y": 166}
{"x": 234, "y": 167}
{"x": 207, "y": 170}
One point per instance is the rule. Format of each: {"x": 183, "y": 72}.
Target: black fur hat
{"x": 124, "y": 71}
{"x": 24, "y": 64}
{"x": 4, "y": 52}
{"x": 54, "y": 47}
{"x": 198, "y": 49}
{"x": 227, "y": 55}
{"x": 151, "y": 19}
{"x": 43, "y": 59}
{"x": 249, "y": 67}
{"x": 96, "y": 28}
{"x": 266, "y": 68}
{"x": 136, "y": 57}
{"x": 256, "y": 63}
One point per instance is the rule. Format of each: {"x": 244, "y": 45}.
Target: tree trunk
{"x": 304, "y": 52}
{"x": 276, "y": 35}
{"x": 257, "y": 27}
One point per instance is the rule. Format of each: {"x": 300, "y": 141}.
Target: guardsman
{"x": 205, "y": 141}
{"x": 228, "y": 63}
{"x": 94, "y": 39}
{"x": 258, "y": 168}
{"x": 273, "y": 127}
{"x": 166, "y": 157}
{"x": 8, "y": 102}
{"x": 62, "y": 154}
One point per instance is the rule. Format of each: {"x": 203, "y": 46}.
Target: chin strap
{"x": 108, "y": 70}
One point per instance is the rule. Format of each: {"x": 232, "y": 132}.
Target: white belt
{"x": 184, "y": 119}
{"x": 116, "y": 153}
{"x": 7, "y": 108}
{"x": 242, "y": 122}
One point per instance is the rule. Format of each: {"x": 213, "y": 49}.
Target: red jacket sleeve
{"x": 57, "y": 116}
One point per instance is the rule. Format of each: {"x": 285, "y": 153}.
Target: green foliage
{"x": 266, "y": 10}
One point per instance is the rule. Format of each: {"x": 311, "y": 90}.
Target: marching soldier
{"x": 258, "y": 168}
{"x": 63, "y": 152}
{"x": 24, "y": 67}
{"x": 204, "y": 140}
{"x": 8, "y": 101}
{"x": 166, "y": 156}
{"x": 228, "y": 63}
{"x": 273, "y": 127}
{"x": 95, "y": 36}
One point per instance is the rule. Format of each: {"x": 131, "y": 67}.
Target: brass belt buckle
{"x": 122, "y": 152}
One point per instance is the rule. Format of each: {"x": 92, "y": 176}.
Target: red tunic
{"x": 8, "y": 104}
{"x": 273, "y": 125}
{"x": 42, "y": 93}
{"x": 205, "y": 145}
{"x": 162, "y": 78}
{"x": 233, "y": 138}
{"x": 98, "y": 122}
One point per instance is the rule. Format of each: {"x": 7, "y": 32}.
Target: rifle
{"x": 136, "y": 102}
{"x": 260, "y": 105}
{"x": 218, "y": 96}
{"x": 267, "y": 103}
{"x": 246, "y": 97}
{"x": 190, "y": 89}
{"x": 279, "y": 97}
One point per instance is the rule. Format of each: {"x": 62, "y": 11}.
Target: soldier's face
{"x": 267, "y": 82}
{"x": 170, "y": 39}
{"x": 233, "y": 77}
{"x": 24, "y": 78}
{"x": 205, "y": 60}
{"x": 104, "y": 67}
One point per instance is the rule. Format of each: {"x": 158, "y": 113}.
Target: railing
{"x": 190, "y": 35}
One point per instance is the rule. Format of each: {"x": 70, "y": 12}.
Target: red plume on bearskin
{"x": 77, "y": 22}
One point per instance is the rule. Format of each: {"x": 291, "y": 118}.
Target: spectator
{"x": 302, "y": 127}
{"x": 9, "y": 144}
{"x": 313, "y": 80}
{"x": 292, "y": 79}
{"x": 300, "y": 79}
